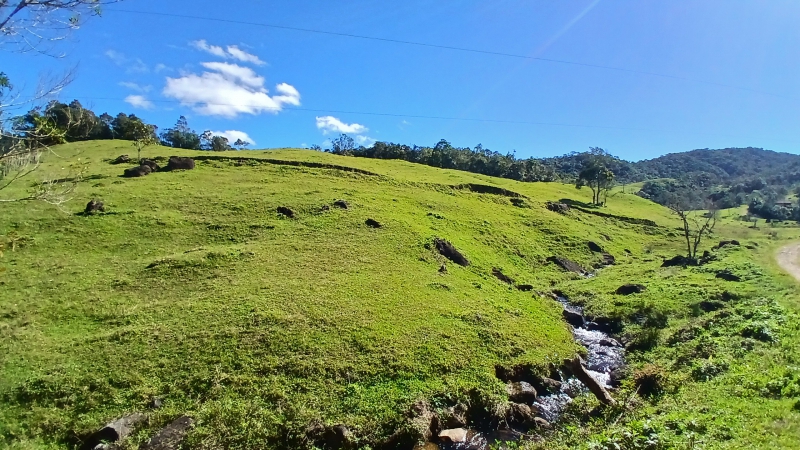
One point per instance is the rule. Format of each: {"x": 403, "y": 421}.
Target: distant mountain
{"x": 728, "y": 166}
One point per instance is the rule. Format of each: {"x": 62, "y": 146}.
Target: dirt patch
{"x": 446, "y": 249}
{"x": 789, "y": 259}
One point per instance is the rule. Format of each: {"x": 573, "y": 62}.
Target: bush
{"x": 706, "y": 370}
{"x": 650, "y": 381}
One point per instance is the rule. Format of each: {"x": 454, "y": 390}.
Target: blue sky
{"x": 287, "y": 88}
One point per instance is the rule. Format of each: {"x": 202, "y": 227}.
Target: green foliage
{"x": 181, "y": 136}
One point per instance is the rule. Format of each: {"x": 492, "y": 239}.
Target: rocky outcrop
{"x": 151, "y": 164}
{"x": 115, "y": 431}
{"x": 180, "y": 163}
{"x": 567, "y": 264}
{"x": 446, "y": 249}
{"x": 121, "y": 159}
{"x": 561, "y": 208}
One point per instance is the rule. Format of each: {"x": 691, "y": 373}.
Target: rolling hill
{"x": 192, "y": 289}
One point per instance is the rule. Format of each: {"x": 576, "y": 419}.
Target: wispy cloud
{"x": 230, "y": 52}
{"x": 131, "y": 65}
{"x": 234, "y": 135}
{"x": 229, "y": 90}
{"x": 365, "y": 140}
{"x": 330, "y": 124}
{"x": 139, "y": 101}
{"x": 135, "y": 87}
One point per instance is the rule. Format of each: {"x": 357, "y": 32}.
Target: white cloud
{"x": 330, "y": 124}
{"x": 160, "y": 67}
{"x": 135, "y": 87}
{"x": 231, "y": 52}
{"x": 366, "y": 141}
{"x": 229, "y": 90}
{"x": 139, "y": 101}
{"x": 233, "y": 135}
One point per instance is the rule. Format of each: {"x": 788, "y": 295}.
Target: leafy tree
{"x": 142, "y": 135}
{"x": 596, "y": 174}
{"x": 343, "y": 145}
{"x": 240, "y": 144}
{"x": 214, "y": 142}
{"x": 181, "y": 136}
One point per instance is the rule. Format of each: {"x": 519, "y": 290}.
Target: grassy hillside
{"x": 191, "y": 288}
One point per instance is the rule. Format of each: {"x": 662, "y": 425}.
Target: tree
{"x": 142, "y": 135}
{"x": 32, "y": 25}
{"x": 214, "y": 142}
{"x": 695, "y": 225}
{"x": 240, "y": 144}
{"x": 343, "y": 145}
{"x": 596, "y": 174}
{"x": 181, "y": 136}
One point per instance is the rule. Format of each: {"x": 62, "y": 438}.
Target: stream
{"x": 604, "y": 354}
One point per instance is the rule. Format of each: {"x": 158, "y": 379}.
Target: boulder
{"x": 283, "y": 210}
{"x": 628, "y": 289}
{"x": 593, "y": 246}
{"x": 180, "y": 163}
{"x": 525, "y": 287}
{"x": 520, "y": 414}
{"x": 94, "y": 206}
{"x": 151, "y": 164}
{"x": 372, "y": 223}
{"x": 541, "y": 423}
{"x": 726, "y": 243}
{"x": 171, "y": 436}
{"x": 573, "y": 318}
{"x": 567, "y": 264}
{"x": 115, "y": 431}
{"x": 341, "y": 204}
{"x": 728, "y": 276}
{"x": 678, "y": 260}
{"x": 121, "y": 159}
{"x": 549, "y": 385}
{"x": 521, "y": 392}
{"x": 561, "y": 208}
{"x": 447, "y": 250}
{"x": 139, "y": 171}
{"x": 608, "y": 259}
{"x": 454, "y": 435}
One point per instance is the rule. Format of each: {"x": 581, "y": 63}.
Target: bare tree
{"x": 36, "y": 25}
{"x": 695, "y": 225}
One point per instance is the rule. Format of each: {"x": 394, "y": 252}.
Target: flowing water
{"x": 604, "y": 354}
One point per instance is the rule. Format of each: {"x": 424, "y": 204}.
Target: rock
{"x": 728, "y": 276}
{"x": 455, "y": 416}
{"x": 115, "y": 431}
{"x": 447, "y": 250}
{"x": 549, "y": 385}
{"x": 678, "y": 260}
{"x": 725, "y": 243}
{"x": 608, "y": 325}
{"x": 151, "y": 164}
{"x": 372, "y": 223}
{"x": 617, "y": 375}
{"x": 628, "y": 289}
{"x": 593, "y": 246}
{"x": 520, "y": 414}
{"x": 180, "y": 163}
{"x": 423, "y": 420}
{"x": 139, "y": 171}
{"x": 542, "y": 423}
{"x": 577, "y": 368}
{"x": 156, "y": 403}
{"x": 94, "y": 206}
{"x": 341, "y": 204}
{"x": 519, "y": 203}
{"x": 573, "y": 318}
{"x": 567, "y": 264}
{"x": 171, "y": 436}
{"x": 325, "y": 208}
{"x": 283, "y": 210}
{"x": 121, "y": 159}
{"x": 521, "y": 392}
{"x": 608, "y": 259}
{"x": 561, "y": 208}
{"x": 454, "y": 435}
{"x": 608, "y": 342}
{"x": 501, "y": 276}
{"x": 443, "y": 268}
{"x": 525, "y": 287}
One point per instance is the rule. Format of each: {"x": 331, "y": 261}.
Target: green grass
{"x": 193, "y": 289}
